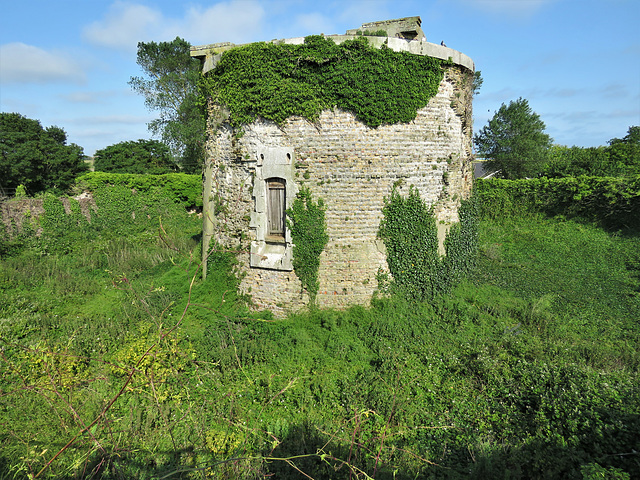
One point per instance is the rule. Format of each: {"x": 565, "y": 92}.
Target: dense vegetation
{"x": 277, "y": 81}
{"x": 36, "y": 158}
{"x": 612, "y": 202}
{"x": 621, "y": 157}
{"x": 117, "y": 362}
{"x": 515, "y": 145}
{"x": 142, "y": 156}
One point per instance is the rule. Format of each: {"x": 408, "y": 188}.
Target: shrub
{"x": 613, "y": 202}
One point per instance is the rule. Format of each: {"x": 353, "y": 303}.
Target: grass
{"x": 587, "y": 277}
{"x": 118, "y": 362}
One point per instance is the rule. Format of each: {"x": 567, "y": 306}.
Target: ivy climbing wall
{"x": 351, "y": 167}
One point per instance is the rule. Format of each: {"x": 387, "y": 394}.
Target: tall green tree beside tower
{"x": 169, "y": 86}
{"x": 514, "y": 141}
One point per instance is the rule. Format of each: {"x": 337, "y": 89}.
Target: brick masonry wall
{"x": 352, "y": 168}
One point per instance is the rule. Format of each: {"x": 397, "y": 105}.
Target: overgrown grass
{"x": 586, "y": 277}
{"x": 118, "y": 362}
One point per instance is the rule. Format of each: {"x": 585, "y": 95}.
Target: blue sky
{"x": 577, "y": 62}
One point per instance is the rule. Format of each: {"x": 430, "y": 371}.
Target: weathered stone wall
{"x": 16, "y": 211}
{"x": 352, "y": 168}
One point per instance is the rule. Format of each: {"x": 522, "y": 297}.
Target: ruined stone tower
{"x": 253, "y": 174}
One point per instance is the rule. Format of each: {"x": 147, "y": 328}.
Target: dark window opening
{"x": 409, "y": 34}
{"x": 276, "y": 209}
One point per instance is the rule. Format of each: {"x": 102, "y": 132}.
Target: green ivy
{"x": 60, "y": 230}
{"x": 410, "y": 235}
{"x": 278, "y": 81}
{"x": 125, "y": 206}
{"x": 461, "y": 243}
{"x": 408, "y": 229}
{"x": 306, "y": 220}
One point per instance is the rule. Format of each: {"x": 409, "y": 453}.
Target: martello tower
{"x": 343, "y": 158}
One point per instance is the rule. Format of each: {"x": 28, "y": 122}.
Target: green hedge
{"x": 183, "y": 188}
{"x": 613, "y": 202}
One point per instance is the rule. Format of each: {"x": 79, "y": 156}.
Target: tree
{"x": 624, "y": 154}
{"x": 171, "y": 87}
{"x": 621, "y": 157}
{"x": 35, "y": 157}
{"x": 477, "y": 82}
{"x": 143, "y": 156}
{"x": 514, "y": 141}
{"x": 564, "y": 161}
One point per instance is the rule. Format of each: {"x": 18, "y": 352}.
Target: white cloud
{"x": 544, "y": 60}
{"x": 615, "y": 91}
{"x": 21, "y": 63}
{"x": 558, "y": 92}
{"x": 97, "y": 132}
{"x": 495, "y": 96}
{"x": 126, "y": 24}
{"x": 234, "y": 21}
{"x": 575, "y": 116}
{"x": 631, "y": 114}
